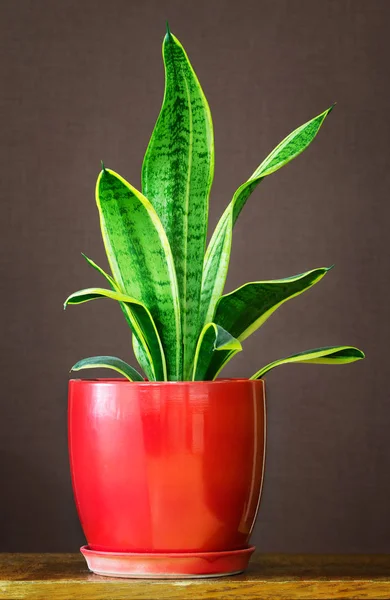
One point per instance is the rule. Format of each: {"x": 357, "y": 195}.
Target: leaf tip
{"x": 330, "y": 268}
{"x": 103, "y": 167}
{"x": 326, "y": 112}
{"x": 168, "y": 35}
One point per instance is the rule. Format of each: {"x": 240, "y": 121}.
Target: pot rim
{"x": 124, "y": 381}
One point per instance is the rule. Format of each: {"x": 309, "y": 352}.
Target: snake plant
{"x": 168, "y": 285}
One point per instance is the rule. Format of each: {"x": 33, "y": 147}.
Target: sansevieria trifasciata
{"x": 168, "y": 284}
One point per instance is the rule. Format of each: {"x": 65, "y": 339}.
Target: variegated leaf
{"x": 141, "y": 321}
{"x": 177, "y": 174}
{"x": 139, "y": 352}
{"x": 218, "y": 251}
{"x": 140, "y": 258}
{"x": 213, "y": 338}
{"x": 108, "y": 362}
{"x": 328, "y": 355}
{"x": 244, "y": 310}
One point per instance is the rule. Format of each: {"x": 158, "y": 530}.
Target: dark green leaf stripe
{"x": 213, "y": 338}
{"x": 142, "y": 324}
{"x": 245, "y": 309}
{"x": 140, "y": 258}
{"x": 328, "y": 355}
{"x": 177, "y": 175}
{"x": 215, "y": 270}
{"x": 108, "y": 362}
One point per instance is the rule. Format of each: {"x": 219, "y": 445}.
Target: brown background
{"x": 83, "y": 81}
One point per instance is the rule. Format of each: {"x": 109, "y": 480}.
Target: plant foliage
{"x": 168, "y": 285}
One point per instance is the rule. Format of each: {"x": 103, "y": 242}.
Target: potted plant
{"x": 167, "y": 464}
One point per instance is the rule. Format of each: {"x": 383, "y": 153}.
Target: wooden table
{"x": 65, "y": 576}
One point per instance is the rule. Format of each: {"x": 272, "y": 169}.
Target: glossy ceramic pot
{"x": 166, "y": 467}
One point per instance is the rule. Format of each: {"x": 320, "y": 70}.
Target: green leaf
{"x": 108, "y": 277}
{"x": 140, "y": 354}
{"x": 177, "y": 174}
{"x": 218, "y": 251}
{"x": 245, "y": 309}
{"x": 216, "y": 264}
{"x": 142, "y": 358}
{"x": 140, "y": 258}
{"x": 108, "y": 362}
{"x": 329, "y": 355}
{"x": 141, "y": 321}
{"x": 212, "y": 338}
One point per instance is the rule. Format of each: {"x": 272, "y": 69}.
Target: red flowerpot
{"x": 167, "y": 476}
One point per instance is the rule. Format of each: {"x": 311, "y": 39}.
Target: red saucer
{"x": 167, "y": 565}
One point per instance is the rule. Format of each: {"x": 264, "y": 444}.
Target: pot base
{"x": 167, "y": 565}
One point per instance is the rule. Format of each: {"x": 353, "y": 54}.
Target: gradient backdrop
{"x": 83, "y": 81}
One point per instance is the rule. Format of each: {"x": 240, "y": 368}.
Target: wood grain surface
{"x": 65, "y": 576}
